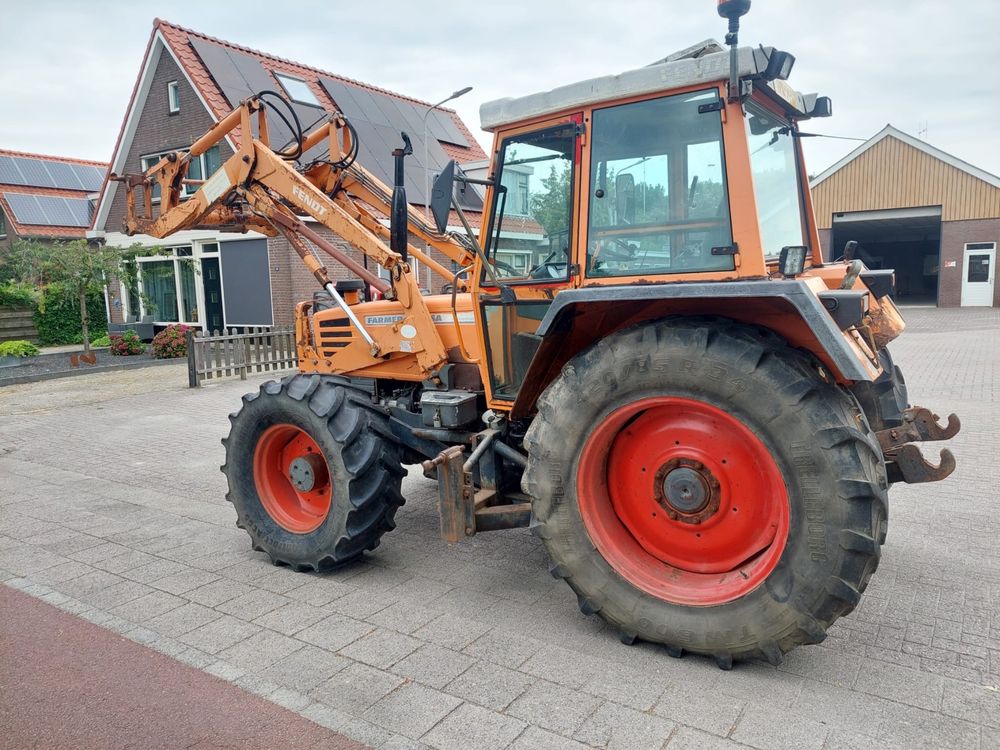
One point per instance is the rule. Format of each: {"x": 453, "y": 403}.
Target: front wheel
{"x": 313, "y": 471}
{"x": 698, "y": 484}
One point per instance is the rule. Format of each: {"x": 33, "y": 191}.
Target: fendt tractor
{"x": 697, "y": 415}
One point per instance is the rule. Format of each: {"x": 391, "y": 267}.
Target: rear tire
{"x": 716, "y": 386}
{"x": 354, "y": 491}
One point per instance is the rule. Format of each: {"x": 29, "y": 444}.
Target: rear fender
{"x": 578, "y": 318}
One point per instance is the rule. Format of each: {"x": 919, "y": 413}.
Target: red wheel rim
{"x": 683, "y": 500}
{"x": 292, "y": 478}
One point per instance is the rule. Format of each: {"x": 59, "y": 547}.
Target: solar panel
{"x": 9, "y": 173}
{"x": 49, "y": 210}
{"x": 446, "y": 129}
{"x": 26, "y": 209}
{"x": 90, "y": 177}
{"x": 34, "y": 172}
{"x": 64, "y": 176}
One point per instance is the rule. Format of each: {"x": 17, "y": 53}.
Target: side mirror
{"x": 625, "y": 199}
{"x": 822, "y": 108}
{"x": 779, "y": 66}
{"x": 441, "y": 193}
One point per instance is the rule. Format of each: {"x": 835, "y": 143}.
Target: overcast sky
{"x": 929, "y": 68}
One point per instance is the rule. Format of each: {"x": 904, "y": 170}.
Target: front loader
{"x": 642, "y": 356}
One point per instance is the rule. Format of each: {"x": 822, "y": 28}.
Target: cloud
{"x": 67, "y": 72}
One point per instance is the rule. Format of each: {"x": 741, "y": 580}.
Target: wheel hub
{"x": 304, "y": 471}
{"x": 687, "y": 490}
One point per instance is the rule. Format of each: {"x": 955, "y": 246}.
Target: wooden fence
{"x": 225, "y": 354}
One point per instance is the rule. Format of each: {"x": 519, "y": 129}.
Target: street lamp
{"x": 427, "y": 167}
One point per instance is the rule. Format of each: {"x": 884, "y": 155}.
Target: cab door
{"x": 529, "y": 240}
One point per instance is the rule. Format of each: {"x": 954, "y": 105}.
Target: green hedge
{"x": 58, "y": 317}
{"x": 13, "y": 294}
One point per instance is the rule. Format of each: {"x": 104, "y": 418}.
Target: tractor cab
{"x": 653, "y": 176}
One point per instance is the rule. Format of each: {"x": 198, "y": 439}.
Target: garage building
{"x": 912, "y": 207}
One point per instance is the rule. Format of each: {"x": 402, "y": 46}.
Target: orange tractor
{"x": 642, "y": 356}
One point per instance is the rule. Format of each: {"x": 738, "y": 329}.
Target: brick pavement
{"x": 111, "y": 508}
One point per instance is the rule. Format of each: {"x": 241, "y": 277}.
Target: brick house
{"x": 188, "y": 81}
{"x": 46, "y": 197}
{"x": 915, "y": 208}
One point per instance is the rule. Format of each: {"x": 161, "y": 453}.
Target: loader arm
{"x": 258, "y": 188}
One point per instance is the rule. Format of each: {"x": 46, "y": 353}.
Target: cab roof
{"x": 705, "y": 62}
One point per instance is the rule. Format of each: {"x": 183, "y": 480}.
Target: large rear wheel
{"x": 313, "y": 471}
{"x": 699, "y": 484}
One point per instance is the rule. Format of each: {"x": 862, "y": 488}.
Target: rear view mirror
{"x": 441, "y": 193}
{"x": 625, "y": 199}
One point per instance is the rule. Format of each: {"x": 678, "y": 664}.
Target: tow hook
{"x": 904, "y": 461}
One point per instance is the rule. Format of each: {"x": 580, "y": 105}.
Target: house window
{"x": 170, "y": 286}
{"x": 516, "y": 182}
{"x": 200, "y": 169}
{"x": 173, "y": 98}
{"x": 297, "y": 90}
{"x": 3, "y": 225}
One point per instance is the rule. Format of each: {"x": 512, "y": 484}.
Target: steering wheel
{"x": 508, "y": 270}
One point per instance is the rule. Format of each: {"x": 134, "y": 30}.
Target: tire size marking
{"x": 813, "y": 502}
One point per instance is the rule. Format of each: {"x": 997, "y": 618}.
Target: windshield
{"x": 530, "y": 233}
{"x": 776, "y": 180}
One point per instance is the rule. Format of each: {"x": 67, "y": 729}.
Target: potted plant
{"x": 13, "y": 353}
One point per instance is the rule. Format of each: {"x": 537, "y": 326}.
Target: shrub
{"x": 104, "y": 340}
{"x": 13, "y": 294}
{"x": 126, "y": 344}
{"x": 171, "y": 342}
{"x": 19, "y": 348}
{"x": 58, "y": 316}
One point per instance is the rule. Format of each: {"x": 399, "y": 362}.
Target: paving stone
{"x": 914, "y": 688}
{"x": 182, "y": 620}
{"x": 153, "y": 572}
{"x": 260, "y": 650}
{"x": 186, "y": 581}
{"x": 411, "y": 710}
{"x": 770, "y": 728}
{"x": 621, "y": 728}
{"x": 149, "y": 606}
{"x": 304, "y": 669}
{"x": 976, "y": 703}
{"x": 534, "y": 738}
{"x": 403, "y": 617}
{"x": 701, "y": 708}
{"x": 213, "y": 591}
{"x": 334, "y": 632}
{"x": 356, "y": 688}
{"x": 626, "y": 685}
{"x": 910, "y": 727}
{"x": 473, "y": 727}
{"x": 381, "y": 648}
{"x": 292, "y": 617}
{"x": 506, "y": 648}
{"x": 570, "y": 668}
{"x": 252, "y": 604}
{"x": 116, "y": 595}
{"x": 686, "y": 738}
{"x": 451, "y": 631}
{"x": 554, "y": 707}
{"x": 319, "y": 591}
{"x": 361, "y": 604}
{"x": 429, "y": 664}
{"x": 489, "y": 685}
{"x": 219, "y": 634}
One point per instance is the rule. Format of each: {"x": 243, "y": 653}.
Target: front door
{"x": 978, "y": 274}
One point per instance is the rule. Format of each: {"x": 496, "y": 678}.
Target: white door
{"x": 978, "y": 274}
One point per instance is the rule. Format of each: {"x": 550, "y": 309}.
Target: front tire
{"x": 698, "y": 484}
{"x": 313, "y": 471}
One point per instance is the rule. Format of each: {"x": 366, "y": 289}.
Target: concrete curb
{"x": 88, "y": 371}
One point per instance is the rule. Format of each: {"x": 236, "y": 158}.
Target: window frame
{"x": 173, "y": 97}
{"x": 500, "y": 198}
{"x": 3, "y": 225}
{"x": 282, "y": 77}
{"x": 725, "y": 144}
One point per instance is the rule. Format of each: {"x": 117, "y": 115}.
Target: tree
{"x": 550, "y": 206}
{"x": 80, "y": 268}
